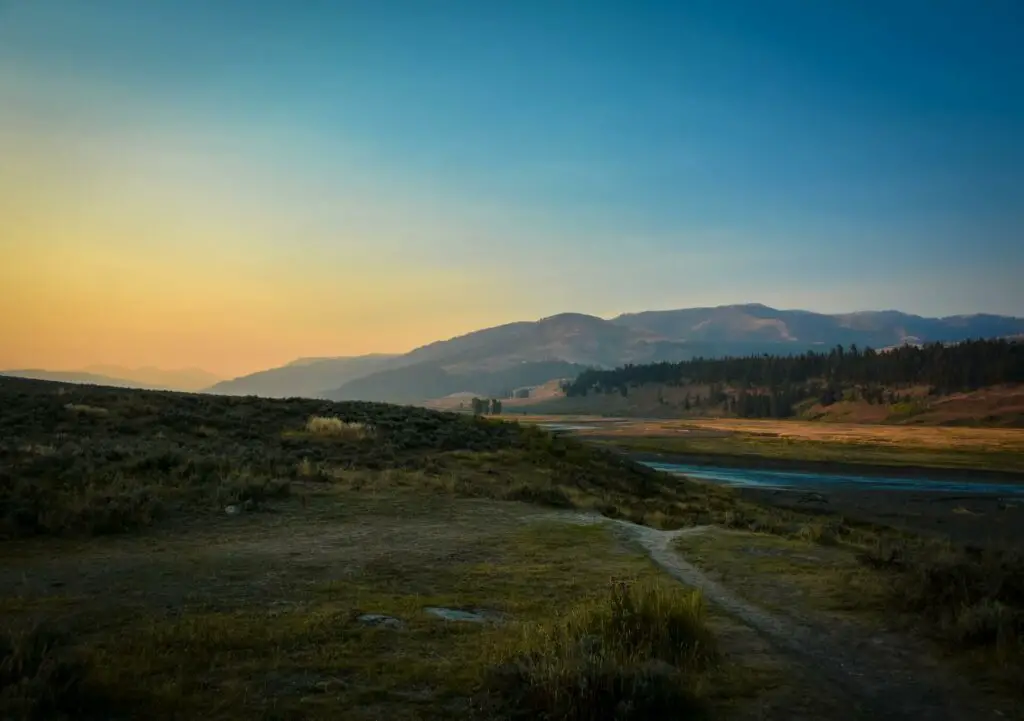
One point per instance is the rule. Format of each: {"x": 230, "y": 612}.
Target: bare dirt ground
{"x": 861, "y": 672}
{"x": 227, "y": 617}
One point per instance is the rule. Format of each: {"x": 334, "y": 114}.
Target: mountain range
{"x": 498, "y": 360}
{"x": 183, "y": 379}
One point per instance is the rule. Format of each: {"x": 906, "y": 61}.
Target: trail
{"x": 877, "y": 677}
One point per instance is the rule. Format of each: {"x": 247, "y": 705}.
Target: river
{"x": 811, "y": 480}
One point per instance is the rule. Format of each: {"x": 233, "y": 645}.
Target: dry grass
{"x": 795, "y": 442}
{"x": 923, "y": 437}
{"x": 266, "y": 621}
{"x": 639, "y": 652}
{"x": 969, "y": 603}
{"x": 42, "y": 678}
{"x": 332, "y": 426}
{"x": 788, "y": 575}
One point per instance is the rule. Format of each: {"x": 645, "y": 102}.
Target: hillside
{"x": 424, "y": 381}
{"x": 479, "y": 362}
{"x": 975, "y": 382}
{"x": 175, "y": 379}
{"x": 185, "y": 379}
{"x": 166, "y": 555}
{"x": 305, "y": 377}
{"x": 759, "y": 323}
{"x": 96, "y": 379}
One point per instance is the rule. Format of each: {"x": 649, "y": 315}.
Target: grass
{"x": 332, "y": 426}
{"x": 307, "y": 655}
{"x": 148, "y": 475}
{"x": 793, "y": 441}
{"x": 639, "y": 652}
{"x": 784, "y": 574}
{"x": 41, "y": 678}
{"x": 187, "y": 633}
{"x": 153, "y": 457}
{"x": 747, "y": 447}
{"x": 971, "y": 597}
{"x": 969, "y": 601}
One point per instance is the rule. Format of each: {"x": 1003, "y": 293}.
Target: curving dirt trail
{"x": 876, "y": 677}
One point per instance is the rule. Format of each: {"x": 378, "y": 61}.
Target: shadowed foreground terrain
{"x": 186, "y": 556}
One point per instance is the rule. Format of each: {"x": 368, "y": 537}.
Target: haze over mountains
{"x": 184, "y": 379}
{"x": 494, "y": 361}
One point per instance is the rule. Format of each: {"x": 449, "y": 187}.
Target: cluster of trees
{"x": 770, "y": 385}
{"x": 483, "y": 406}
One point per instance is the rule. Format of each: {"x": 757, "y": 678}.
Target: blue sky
{"x": 512, "y": 160}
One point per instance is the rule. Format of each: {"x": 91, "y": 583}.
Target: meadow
{"x": 187, "y": 556}
{"x": 808, "y": 443}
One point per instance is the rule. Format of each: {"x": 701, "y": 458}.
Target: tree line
{"x": 769, "y": 385}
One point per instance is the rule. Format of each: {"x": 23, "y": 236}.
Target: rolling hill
{"x": 180, "y": 379}
{"x": 185, "y": 379}
{"x": 756, "y": 323}
{"x": 492, "y": 361}
{"x": 305, "y": 377}
{"x": 425, "y": 381}
{"x": 95, "y": 379}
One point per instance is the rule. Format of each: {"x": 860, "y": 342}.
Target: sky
{"x": 232, "y": 184}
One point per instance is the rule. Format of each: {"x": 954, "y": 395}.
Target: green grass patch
{"x": 152, "y": 456}
{"x": 309, "y": 656}
{"x": 640, "y": 651}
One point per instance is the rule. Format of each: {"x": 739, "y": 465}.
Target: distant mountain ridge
{"x": 494, "y": 361}
{"x": 870, "y": 328}
{"x": 95, "y": 379}
{"x": 149, "y": 378}
{"x": 305, "y": 377}
{"x": 475, "y": 361}
{"x": 183, "y": 379}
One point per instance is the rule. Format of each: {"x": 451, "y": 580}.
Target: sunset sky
{"x": 232, "y": 184}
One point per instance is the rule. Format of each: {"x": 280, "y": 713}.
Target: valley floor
{"x": 178, "y": 556}
{"x": 257, "y": 616}
{"x": 966, "y": 452}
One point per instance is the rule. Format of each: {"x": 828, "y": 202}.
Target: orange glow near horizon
{"x": 187, "y": 243}
{"x": 80, "y": 305}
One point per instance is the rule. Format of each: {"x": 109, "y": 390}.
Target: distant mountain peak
{"x": 500, "y": 358}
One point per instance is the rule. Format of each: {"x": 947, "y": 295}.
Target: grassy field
{"x": 992, "y": 407}
{"x": 860, "y": 590}
{"x": 989, "y": 449}
{"x": 186, "y": 556}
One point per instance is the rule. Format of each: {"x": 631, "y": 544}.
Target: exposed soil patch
{"x": 878, "y": 676}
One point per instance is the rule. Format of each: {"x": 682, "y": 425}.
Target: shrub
{"x": 971, "y": 597}
{"x": 637, "y": 654}
{"x": 40, "y": 678}
{"x": 332, "y": 426}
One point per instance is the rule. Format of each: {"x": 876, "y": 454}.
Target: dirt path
{"x": 878, "y": 677}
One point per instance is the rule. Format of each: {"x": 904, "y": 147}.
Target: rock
{"x": 379, "y": 619}
{"x": 454, "y": 614}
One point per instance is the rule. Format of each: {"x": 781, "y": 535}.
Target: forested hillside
{"x": 778, "y": 386}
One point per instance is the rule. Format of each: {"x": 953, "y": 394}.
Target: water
{"x": 759, "y": 478}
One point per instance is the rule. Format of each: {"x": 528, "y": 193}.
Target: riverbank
{"x": 961, "y": 453}
{"x": 753, "y": 461}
